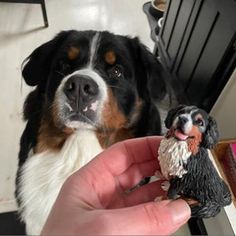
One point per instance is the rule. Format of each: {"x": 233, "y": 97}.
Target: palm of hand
{"x": 94, "y": 199}
{"x": 104, "y": 183}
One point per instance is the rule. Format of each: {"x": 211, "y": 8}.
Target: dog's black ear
{"x": 171, "y": 114}
{"x": 211, "y": 135}
{"x": 150, "y": 74}
{"x": 36, "y": 66}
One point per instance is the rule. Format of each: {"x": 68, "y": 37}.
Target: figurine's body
{"x": 185, "y": 162}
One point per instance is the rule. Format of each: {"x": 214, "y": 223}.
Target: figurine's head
{"x": 192, "y": 124}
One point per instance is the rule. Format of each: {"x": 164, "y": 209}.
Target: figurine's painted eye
{"x": 199, "y": 122}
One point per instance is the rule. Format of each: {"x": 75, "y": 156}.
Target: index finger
{"x": 119, "y": 157}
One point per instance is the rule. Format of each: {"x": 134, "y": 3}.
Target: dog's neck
{"x": 109, "y": 137}
{"x": 52, "y": 138}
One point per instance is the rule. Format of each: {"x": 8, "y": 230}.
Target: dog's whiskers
{"x": 68, "y": 106}
{"x": 113, "y": 86}
{"x": 60, "y": 73}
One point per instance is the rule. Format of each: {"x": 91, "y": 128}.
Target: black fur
{"x": 211, "y": 134}
{"x": 201, "y": 182}
{"x": 37, "y": 65}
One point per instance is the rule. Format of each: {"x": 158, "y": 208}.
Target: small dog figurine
{"x": 185, "y": 162}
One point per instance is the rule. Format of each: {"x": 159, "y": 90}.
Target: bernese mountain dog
{"x": 185, "y": 161}
{"x": 91, "y": 89}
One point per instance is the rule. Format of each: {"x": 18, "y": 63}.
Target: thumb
{"x": 162, "y": 218}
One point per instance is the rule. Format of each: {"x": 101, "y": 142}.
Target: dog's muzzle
{"x": 79, "y": 100}
{"x": 183, "y": 127}
{"x": 82, "y": 94}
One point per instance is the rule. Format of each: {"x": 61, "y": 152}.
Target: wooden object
{"x": 220, "y": 153}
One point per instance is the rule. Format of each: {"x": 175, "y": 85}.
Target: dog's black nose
{"x": 81, "y": 87}
{"x": 182, "y": 120}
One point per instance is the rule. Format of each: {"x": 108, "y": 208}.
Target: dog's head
{"x": 91, "y": 80}
{"x": 189, "y": 123}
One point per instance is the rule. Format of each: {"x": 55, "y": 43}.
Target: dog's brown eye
{"x": 115, "y": 72}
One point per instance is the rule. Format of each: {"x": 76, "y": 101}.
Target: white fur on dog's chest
{"x": 43, "y": 175}
{"x": 172, "y": 155}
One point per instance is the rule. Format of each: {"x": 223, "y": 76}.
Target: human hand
{"x": 93, "y": 200}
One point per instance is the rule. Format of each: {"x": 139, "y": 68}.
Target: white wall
{"x": 225, "y": 110}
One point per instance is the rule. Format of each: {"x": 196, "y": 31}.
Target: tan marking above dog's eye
{"x": 110, "y": 57}
{"x": 73, "y": 53}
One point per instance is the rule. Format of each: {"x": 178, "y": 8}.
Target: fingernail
{"x": 180, "y": 211}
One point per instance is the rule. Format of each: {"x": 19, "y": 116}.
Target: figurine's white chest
{"x": 43, "y": 175}
{"x": 172, "y": 155}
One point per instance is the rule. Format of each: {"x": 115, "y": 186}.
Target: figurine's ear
{"x": 171, "y": 114}
{"x": 211, "y": 135}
